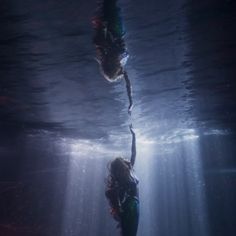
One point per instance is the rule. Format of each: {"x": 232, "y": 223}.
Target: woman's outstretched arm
{"x": 129, "y": 91}
{"x": 133, "y": 146}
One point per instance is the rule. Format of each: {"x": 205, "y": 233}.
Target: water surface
{"x": 61, "y": 122}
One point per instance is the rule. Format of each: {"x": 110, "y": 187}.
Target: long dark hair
{"x": 119, "y": 171}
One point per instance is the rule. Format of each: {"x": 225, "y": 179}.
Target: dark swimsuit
{"x": 109, "y": 32}
{"x": 130, "y": 209}
{"x": 124, "y": 198}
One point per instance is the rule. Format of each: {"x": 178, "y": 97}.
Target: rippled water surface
{"x": 61, "y": 122}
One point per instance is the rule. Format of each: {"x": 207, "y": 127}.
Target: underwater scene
{"x": 117, "y": 117}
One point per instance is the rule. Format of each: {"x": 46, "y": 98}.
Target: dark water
{"x": 61, "y": 122}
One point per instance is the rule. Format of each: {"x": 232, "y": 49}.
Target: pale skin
{"x": 129, "y": 91}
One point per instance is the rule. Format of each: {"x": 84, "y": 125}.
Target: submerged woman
{"x": 112, "y": 54}
{"x": 122, "y": 192}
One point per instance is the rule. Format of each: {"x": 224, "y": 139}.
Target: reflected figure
{"x": 111, "y": 51}
{"x": 122, "y": 192}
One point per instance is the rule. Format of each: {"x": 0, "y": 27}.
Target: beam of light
{"x": 168, "y": 165}
{"x": 85, "y": 148}
{"x": 172, "y": 136}
{"x": 196, "y": 187}
{"x": 85, "y": 186}
{"x": 217, "y": 132}
{"x": 171, "y": 184}
{"x": 118, "y": 145}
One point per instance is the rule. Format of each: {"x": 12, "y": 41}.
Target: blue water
{"x": 61, "y": 122}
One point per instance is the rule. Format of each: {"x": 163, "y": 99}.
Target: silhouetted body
{"x": 111, "y": 51}
{"x": 122, "y": 193}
